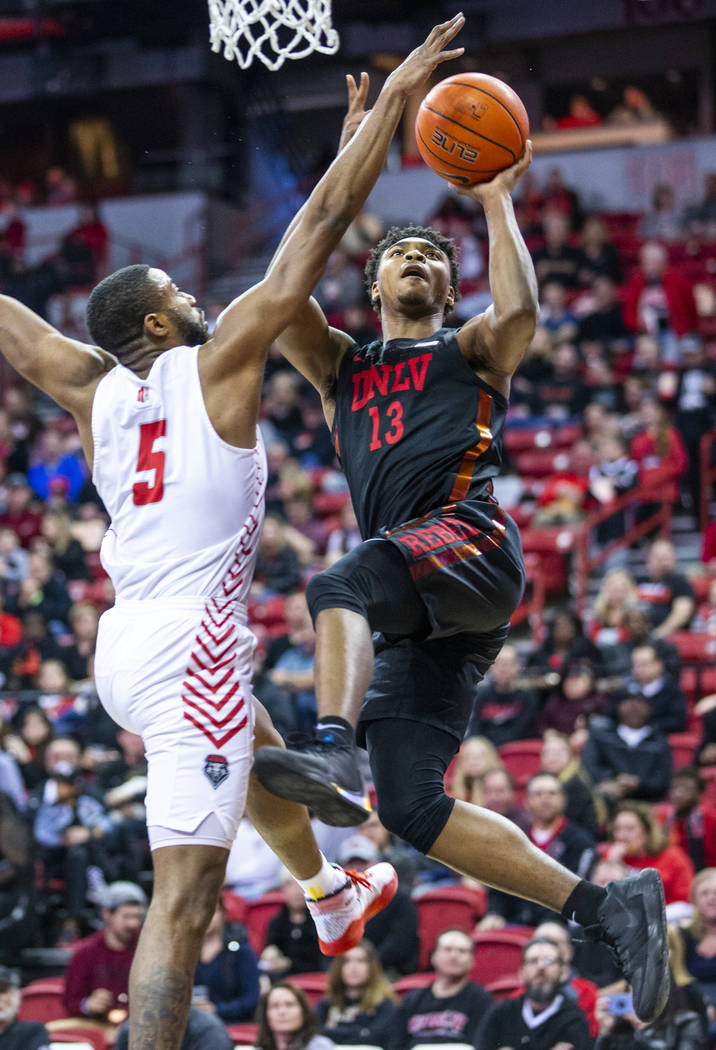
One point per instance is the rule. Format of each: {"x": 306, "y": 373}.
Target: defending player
{"x": 170, "y": 432}
{"x": 417, "y": 420}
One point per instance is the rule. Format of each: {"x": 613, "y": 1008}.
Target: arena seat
{"x": 259, "y": 913}
{"x": 540, "y": 463}
{"x": 697, "y": 682}
{"x": 243, "y": 1034}
{"x": 234, "y": 906}
{"x": 683, "y": 747}
{"x": 697, "y": 647}
{"x": 411, "y": 981}
{"x": 521, "y": 759}
{"x": 42, "y": 1000}
{"x": 504, "y": 987}
{"x": 498, "y": 954}
{"x": 313, "y": 984}
{"x": 701, "y": 585}
{"x": 447, "y": 907}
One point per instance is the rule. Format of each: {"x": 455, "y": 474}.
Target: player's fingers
{"x": 352, "y": 89}
{"x": 362, "y": 94}
{"x": 445, "y": 56}
{"x": 446, "y": 30}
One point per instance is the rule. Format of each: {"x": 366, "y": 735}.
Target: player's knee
{"x": 417, "y": 821}
{"x": 187, "y": 886}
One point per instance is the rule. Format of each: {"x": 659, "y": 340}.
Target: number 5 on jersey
{"x": 150, "y": 458}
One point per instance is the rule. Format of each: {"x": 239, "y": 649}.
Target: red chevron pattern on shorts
{"x": 212, "y": 699}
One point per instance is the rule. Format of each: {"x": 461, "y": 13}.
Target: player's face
{"x": 189, "y": 320}
{"x": 414, "y": 276}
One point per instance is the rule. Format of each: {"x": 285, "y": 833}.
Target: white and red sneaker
{"x": 340, "y": 918}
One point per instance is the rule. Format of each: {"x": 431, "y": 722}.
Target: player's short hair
{"x": 425, "y": 233}
{"x": 118, "y": 305}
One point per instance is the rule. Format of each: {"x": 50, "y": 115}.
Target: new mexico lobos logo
{"x": 216, "y": 768}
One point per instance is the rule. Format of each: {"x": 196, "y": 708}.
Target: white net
{"x": 271, "y": 30}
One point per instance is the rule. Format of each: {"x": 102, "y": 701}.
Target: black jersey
{"x": 415, "y": 429}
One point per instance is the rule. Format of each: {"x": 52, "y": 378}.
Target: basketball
{"x": 470, "y": 127}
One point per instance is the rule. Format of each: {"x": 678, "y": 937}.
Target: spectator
{"x": 13, "y": 561}
{"x": 10, "y": 776}
{"x": 503, "y": 710}
{"x": 629, "y": 760}
{"x": 345, "y": 537}
{"x": 44, "y": 590}
{"x": 699, "y": 938}
{"x": 69, "y": 829}
{"x": 659, "y": 452}
{"x": 293, "y": 669}
{"x": 604, "y": 321}
{"x": 97, "y": 975}
{"x": 450, "y": 1009}
{"x": 498, "y": 794}
{"x": 571, "y": 706}
{"x": 55, "y": 463}
{"x": 37, "y": 644}
{"x": 555, "y": 314}
{"x": 282, "y": 409}
{"x": 78, "y": 655}
{"x": 565, "y": 643}
{"x": 658, "y": 298}
{"x": 612, "y": 476}
{"x": 579, "y": 989}
{"x": 581, "y": 114}
{"x": 477, "y": 755}
{"x": 694, "y": 399}
{"x": 562, "y": 393}
{"x": 638, "y": 631}
{"x": 394, "y": 930}
{"x": 634, "y": 108}
{"x": 566, "y": 496}
{"x": 14, "y": 1034}
{"x": 550, "y": 831}
{"x": 286, "y": 1021}
{"x": 559, "y": 199}
{"x": 20, "y": 513}
{"x": 56, "y": 698}
{"x": 341, "y": 284}
{"x": 66, "y": 552}
{"x": 360, "y": 1005}
{"x": 599, "y": 257}
{"x": 678, "y": 1027}
{"x": 542, "y": 1018}
{"x": 650, "y": 681}
{"x": 705, "y": 619}
{"x": 663, "y": 222}
{"x": 277, "y": 567}
{"x": 638, "y": 840}
{"x": 616, "y": 594}
{"x": 291, "y": 939}
{"x": 558, "y": 758}
{"x": 557, "y": 260}
{"x": 594, "y": 961}
{"x": 404, "y": 858}
{"x": 28, "y": 745}
{"x": 92, "y": 233}
{"x": 17, "y": 897}
{"x": 227, "y": 972}
{"x": 701, "y": 217}
{"x": 691, "y": 824}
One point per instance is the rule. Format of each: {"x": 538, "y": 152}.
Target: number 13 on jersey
{"x": 150, "y": 458}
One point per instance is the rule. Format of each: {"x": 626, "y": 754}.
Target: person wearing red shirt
{"x": 97, "y": 976}
{"x": 639, "y": 842}
{"x": 10, "y": 628}
{"x": 691, "y": 822}
{"x": 657, "y": 297}
{"x": 19, "y": 514}
{"x": 659, "y": 452}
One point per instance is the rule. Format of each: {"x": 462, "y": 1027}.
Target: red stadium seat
{"x": 42, "y": 1000}
{"x": 258, "y": 915}
{"x": 413, "y": 980}
{"x": 540, "y": 464}
{"x": 504, "y": 987}
{"x": 243, "y": 1034}
{"x": 268, "y": 612}
{"x": 498, "y": 953}
{"x": 701, "y": 585}
{"x": 234, "y": 906}
{"x": 313, "y": 984}
{"x": 683, "y": 747}
{"x": 697, "y": 682}
{"x": 448, "y": 907}
{"x": 521, "y": 759}
{"x": 695, "y": 646}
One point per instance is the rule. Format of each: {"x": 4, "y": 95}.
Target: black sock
{"x": 334, "y": 730}
{"x": 583, "y": 903}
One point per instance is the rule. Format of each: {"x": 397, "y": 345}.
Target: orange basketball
{"x": 470, "y": 127}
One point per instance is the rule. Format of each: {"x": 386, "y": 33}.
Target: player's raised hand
{"x": 420, "y": 63}
{"x": 356, "y": 112}
{"x": 504, "y": 182}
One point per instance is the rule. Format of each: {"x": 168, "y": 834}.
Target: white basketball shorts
{"x": 177, "y": 671}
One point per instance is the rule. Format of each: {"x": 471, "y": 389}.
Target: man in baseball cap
{"x": 14, "y": 1034}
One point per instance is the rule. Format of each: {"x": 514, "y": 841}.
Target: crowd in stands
{"x": 611, "y": 715}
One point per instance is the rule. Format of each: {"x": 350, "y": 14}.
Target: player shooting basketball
{"x": 169, "y": 428}
{"x": 417, "y": 420}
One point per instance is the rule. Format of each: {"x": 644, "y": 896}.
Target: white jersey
{"x": 186, "y": 507}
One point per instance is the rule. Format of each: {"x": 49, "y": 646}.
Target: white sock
{"x": 329, "y": 879}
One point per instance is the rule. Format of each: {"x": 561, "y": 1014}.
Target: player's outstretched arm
{"x": 494, "y": 342}
{"x": 65, "y": 369}
{"x": 250, "y": 324}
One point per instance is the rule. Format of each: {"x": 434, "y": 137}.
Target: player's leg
{"x": 370, "y": 589}
{"x": 339, "y": 904}
{"x": 187, "y": 882}
{"x": 409, "y": 760}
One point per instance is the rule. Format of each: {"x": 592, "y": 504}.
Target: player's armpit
{"x": 494, "y": 347}
{"x": 64, "y": 368}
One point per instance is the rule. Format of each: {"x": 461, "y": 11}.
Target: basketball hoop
{"x": 271, "y": 30}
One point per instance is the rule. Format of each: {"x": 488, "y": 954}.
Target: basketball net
{"x": 271, "y": 30}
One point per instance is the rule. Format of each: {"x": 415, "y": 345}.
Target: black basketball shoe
{"x": 632, "y": 924}
{"x": 323, "y": 776}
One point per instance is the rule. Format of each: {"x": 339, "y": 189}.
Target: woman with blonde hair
{"x": 286, "y": 1021}
{"x": 699, "y": 937}
{"x": 477, "y": 756}
{"x": 639, "y": 841}
{"x": 617, "y": 593}
{"x": 360, "y": 1003}
{"x": 559, "y": 758}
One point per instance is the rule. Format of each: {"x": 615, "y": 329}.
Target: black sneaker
{"x": 325, "y": 777}
{"x": 632, "y": 924}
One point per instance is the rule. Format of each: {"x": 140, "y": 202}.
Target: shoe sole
{"x": 354, "y": 934}
{"x": 655, "y": 985}
{"x": 326, "y": 800}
